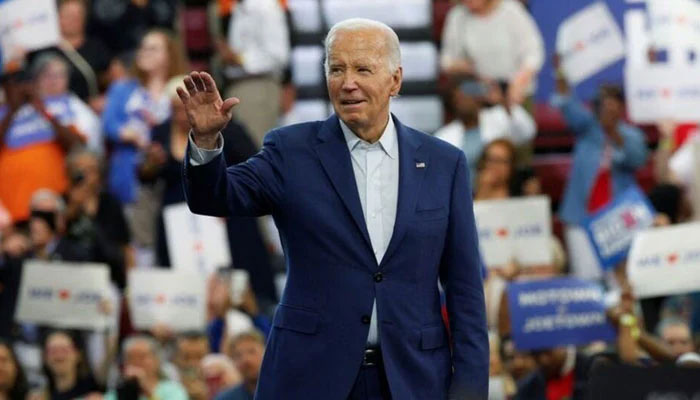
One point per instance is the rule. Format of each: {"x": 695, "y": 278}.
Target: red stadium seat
{"x": 195, "y": 28}
{"x": 440, "y": 9}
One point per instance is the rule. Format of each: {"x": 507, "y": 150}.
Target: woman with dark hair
{"x": 13, "y": 383}
{"x": 66, "y": 368}
{"x": 495, "y": 170}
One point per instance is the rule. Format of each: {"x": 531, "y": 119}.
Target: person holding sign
{"x": 607, "y": 154}
{"x": 371, "y": 213}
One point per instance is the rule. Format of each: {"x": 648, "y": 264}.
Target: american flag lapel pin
{"x": 420, "y": 165}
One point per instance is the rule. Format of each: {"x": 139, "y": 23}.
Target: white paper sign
{"x": 661, "y": 91}
{"x": 664, "y": 261}
{"x": 63, "y": 295}
{"x": 514, "y": 229}
{"x": 589, "y": 41}
{"x": 674, "y": 24}
{"x": 195, "y": 242}
{"x": 175, "y": 298}
{"x": 26, "y": 26}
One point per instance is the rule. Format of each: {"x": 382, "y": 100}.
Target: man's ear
{"x": 397, "y": 79}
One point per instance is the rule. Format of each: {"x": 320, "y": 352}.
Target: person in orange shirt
{"x": 36, "y": 132}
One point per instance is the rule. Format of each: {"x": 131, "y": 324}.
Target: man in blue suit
{"x": 371, "y": 213}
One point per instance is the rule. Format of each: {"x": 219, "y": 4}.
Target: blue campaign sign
{"x": 557, "y": 312}
{"x": 548, "y": 15}
{"x": 612, "y": 229}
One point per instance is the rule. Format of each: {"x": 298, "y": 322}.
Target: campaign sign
{"x": 195, "y": 242}
{"x": 171, "y": 297}
{"x": 656, "y": 92}
{"x": 514, "y": 230}
{"x": 557, "y": 312}
{"x": 29, "y": 127}
{"x": 612, "y": 228}
{"x": 665, "y": 261}
{"x": 589, "y": 41}
{"x": 25, "y": 27}
{"x": 63, "y": 295}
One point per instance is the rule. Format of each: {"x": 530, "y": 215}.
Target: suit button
{"x": 365, "y": 319}
{"x": 378, "y": 277}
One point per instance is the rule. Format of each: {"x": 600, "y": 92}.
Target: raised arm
{"x": 251, "y": 188}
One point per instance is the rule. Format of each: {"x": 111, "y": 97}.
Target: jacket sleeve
{"x": 114, "y": 115}
{"x": 633, "y": 152}
{"x": 251, "y": 188}
{"x": 577, "y": 117}
{"x": 461, "y": 278}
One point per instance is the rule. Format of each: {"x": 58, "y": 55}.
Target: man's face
{"x": 41, "y": 230}
{"x": 551, "y": 361}
{"x": 678, "y": 339}
{"x": 190, "y": 352}
{"x": 360, "y": 84}
{"x": 141, "y": 356}
{"x": 466, "y": 106}
{"x": 248, "y": 355}
{"x": 87, "y": 167}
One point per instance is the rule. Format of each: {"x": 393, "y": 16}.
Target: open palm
{"x": 206, "y": 111}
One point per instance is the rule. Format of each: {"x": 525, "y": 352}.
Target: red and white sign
{"x": 27, "y": 26}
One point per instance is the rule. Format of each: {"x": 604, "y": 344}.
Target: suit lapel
{"x": 333, "y": 152}
{"x": 413, "y": 162}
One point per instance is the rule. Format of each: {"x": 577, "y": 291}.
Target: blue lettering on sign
{"x": 142, "y": 299}
{"x": 484, "y": 234}
{"x": 692, "y": 256}
{"x": 88, "y": 297}
{"x": 528, "y": 230}
{"x": 650, "y": 261}
{"x": 185, "y": 300}
{"x": 41, "y": 293}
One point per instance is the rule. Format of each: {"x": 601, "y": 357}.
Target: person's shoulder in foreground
{"x": 235, "y": 393}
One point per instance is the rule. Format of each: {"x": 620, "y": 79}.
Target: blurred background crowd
{"x": 93, "y": 137}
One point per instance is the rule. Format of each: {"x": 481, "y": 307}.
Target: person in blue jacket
{"x": 134, "y": 106}
{"x": 607, "y": 154}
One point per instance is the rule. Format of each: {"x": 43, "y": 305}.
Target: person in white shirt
{"x": 495, "y": 39}
{"x": 259, "y": 48}
{"x": 476, "y": 123}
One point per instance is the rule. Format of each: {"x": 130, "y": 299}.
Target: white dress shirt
{"x": 376, "y": 169}
{"x": 260, "y": 35}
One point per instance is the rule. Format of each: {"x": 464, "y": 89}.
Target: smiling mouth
{"x": 350, "y": 102}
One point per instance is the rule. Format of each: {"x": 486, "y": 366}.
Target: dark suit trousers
{"x": 371, "y": 384}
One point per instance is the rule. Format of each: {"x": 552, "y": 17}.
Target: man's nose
{"x": 349, "y": 82}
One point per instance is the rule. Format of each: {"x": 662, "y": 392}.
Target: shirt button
{"x": 365, "y": 319}
{"x": 378, "y": 277}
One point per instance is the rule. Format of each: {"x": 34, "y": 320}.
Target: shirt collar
{"x": 388, "y": 141}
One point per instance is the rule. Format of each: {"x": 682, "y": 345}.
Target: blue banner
{"x": 557, "y": 312}
{"x": 612, "y": 229}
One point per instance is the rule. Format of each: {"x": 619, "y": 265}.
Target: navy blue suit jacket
{"x": 303, "y": 176}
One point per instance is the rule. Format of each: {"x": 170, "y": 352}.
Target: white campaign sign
{"x": 514, "y": 229}
{"x": 175, "y": 298}
{"x": 589, "y": 41}
{"x": 27, "y": 26}
{"x": 195, "y": 242}
{"x": 64, "y": 295}
{"x": 657, "y": 92}
{"x": 665, "y": 261}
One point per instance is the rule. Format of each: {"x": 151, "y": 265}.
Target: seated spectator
{"x": 496, "y": 40}
{"x": 36, "y": 131}
{"x": 219, "y": 374}
{"x": 13, "y": 383}
{"x": 482, "y": 116}
{"x": 95, "y": 217}
{"x": 190, "y": 349}
{"x": 607, "y": 154}
{"x": 66, "y": 368}
{"x": 675, "y": 333}
{"x": 565, "y": 373}
{"x": 141, "y": 376}
{"x": 88, "y": 56}
{"x": 246, "y": 350}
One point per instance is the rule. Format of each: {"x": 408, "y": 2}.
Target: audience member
{"x": 495, "y": 39}
{"x": 219, "y": 374}
{"x": 95, "y": 217}
{"x": 141, "y": 376}
{"x": 36, "y": 131}
{"x": 66, "y": 368}
{"x": 495, "y": 169}
{"x": 88, "y": 56}
{"x": 246, "y": 350}
{"x": 13, "y": 383}
{"x": 607, "y": 153}
{"x": 675, "y": 333}
{"x": 254, "y": 61}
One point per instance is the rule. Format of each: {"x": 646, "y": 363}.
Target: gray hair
{"x": 43, "y": 61}
{"x": 670, "y": 321}
{"x": 42, "y": 195}
{"x": 132, "y": 340}
{"x": 393, "y": 57}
